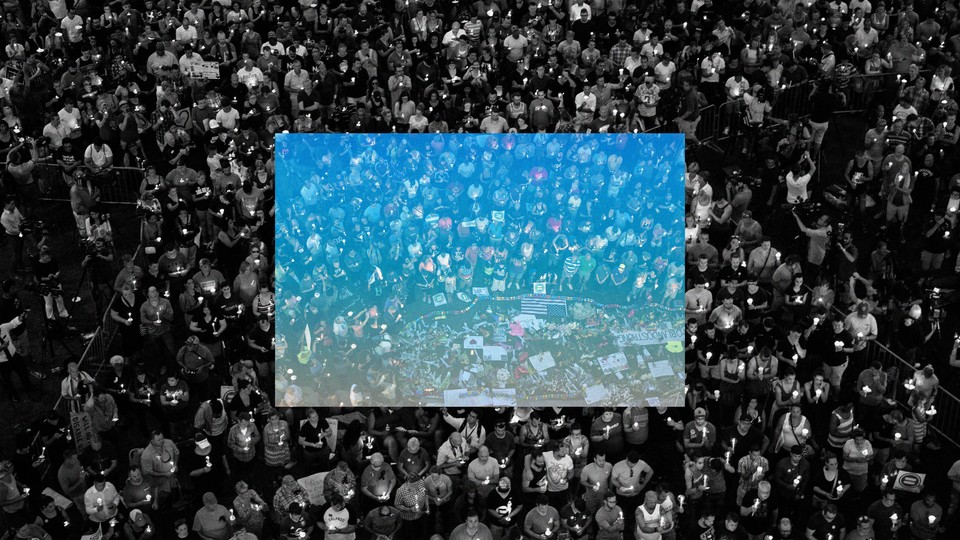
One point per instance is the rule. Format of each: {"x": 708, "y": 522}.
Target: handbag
{"x": 898, "y": 199}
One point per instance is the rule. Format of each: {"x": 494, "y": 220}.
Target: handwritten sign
{"x": 473, "y": 342}
{"x": 500, "y": 397}
{"x": 613, "y": 363}
{"x": 58, "y": 499}
{"x": 654, "y": 336}
{"x": 82, "y": 428}
{"x": 203, "y": 70}
{"x": 543, "y": 361}
{"x": 313, "y": 485}
{"x": 659, "y": 369}
{"x": 596, "y": 394}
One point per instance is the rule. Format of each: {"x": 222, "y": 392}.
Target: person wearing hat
{"x": 699, "y": 433}
{"x": 204, "y": 465}
{"x": 139, "y": 526}
{"x": 376, "y": 482}
{"x": 101, "y": 500}
{"x": 196, "y": 361}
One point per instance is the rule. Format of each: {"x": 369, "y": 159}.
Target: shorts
{"x": 818, "y": 131}
{"x": 834, "y": 374}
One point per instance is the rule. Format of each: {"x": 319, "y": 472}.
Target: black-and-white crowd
{"x": 799, "y": 267}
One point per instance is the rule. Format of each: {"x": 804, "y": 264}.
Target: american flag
{"x": 543, "y": 306}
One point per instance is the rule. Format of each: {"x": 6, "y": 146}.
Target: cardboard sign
{"x": 82, "y": 428}
{"x": 313, "y": 485}
{"x": 909, "y": 481}
{"x": 613, "y": 363}
{"x": 58, "y": 499}
{"x": 540, "y": 287}
{"x": 473, "y": 342}
{"x": 203, "y": 70}
{"x": 462, "y": 397}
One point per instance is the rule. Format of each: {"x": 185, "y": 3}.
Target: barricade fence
{"x": 946, "y": 421}
{"x": 120, "y": 185}
{"x": 95, "y": 357}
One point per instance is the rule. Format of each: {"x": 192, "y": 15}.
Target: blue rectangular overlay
{"x": 480, "y": 270}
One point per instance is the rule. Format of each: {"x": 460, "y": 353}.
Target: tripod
{"x": 53, "y": 331}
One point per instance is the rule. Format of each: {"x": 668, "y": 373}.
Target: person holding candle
{"x": 830, "y": 483}
{"x": 101, "y": 501}
{"x": 377, "y": 482}
{"x": 204, "y": 465}
{"x": 926, "y": 517}
{"x": 410, "y": 500}
{"x": 137, "y": 492}
{"x": 827, "y": 523}
{"x": 484, "y": 471}
{"x": 543, "y": 521}
{"x": 790, "y": 478}
{"x": 580, "y": 446}
{"x": 383, "y": 522}
{"x": 276, "y": 441}
{"x": 156, "y": 315}
{"x": 560, "y": 472}
{"x": 242, "y": 440}
{"x": 139, "y": 526}
{"x": 213, "y": 521}
{"x": 886, "y": 515}
{"x": 628, "y": 478}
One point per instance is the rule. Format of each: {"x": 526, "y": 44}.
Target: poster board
{"x": 82, "y": 428}
{"x": 203, "y": 70}
{"x": 58, "y": 499}
{"x": 613, "y": 363}
{"x": 313, "y": 485}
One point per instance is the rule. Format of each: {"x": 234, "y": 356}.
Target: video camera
{"x": 30, "y": 226}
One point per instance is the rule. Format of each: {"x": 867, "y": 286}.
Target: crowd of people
{"x": 786, "y": 399}
{"x": 470, "y": 225}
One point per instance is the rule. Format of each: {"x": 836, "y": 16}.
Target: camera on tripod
{"x": 30, "y": 226}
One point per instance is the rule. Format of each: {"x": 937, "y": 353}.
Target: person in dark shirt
{"x": 702, "y": 529}
{"x": 824, "y": 102}
{"x": 828, "y": 523}
{"x": 758, "y": 510}
{"x": 731, "y": 529}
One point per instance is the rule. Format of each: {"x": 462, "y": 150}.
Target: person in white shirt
{"x": 228, "y": 117}
{"x": 98, "y": 156}
{"x": 56, "y": 131}
{"x": 797, "y": 181}
{"x": 186, "y": 34}
{"x": 575, "y": 9}
{"x": 586, "y": 101}
{"x": 473, "y": 432}
{"x": 160, "y": 62}
{"x": 70, "y": 117}
{"x": 559, "y": 467}
{"x": 101, "y": 501}
{"x": 452, "y": 455}
{"x": 11, "y": 361}
{"x": 250, "y": 74}
{"x": 295, "y": 81}
{"x": 652, "y": 49}
{"x": 454, "y": 34}
{"x": 72, "y": 25}
{"x": 11, "y": 220}
{"x": 484, "y": 471}
{"x": 664, "y": 71}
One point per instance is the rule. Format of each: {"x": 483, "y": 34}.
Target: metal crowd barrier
{"x": 946, "y": 422}
{"x": 96, "y": 355}
{"x": 120, "y": 186}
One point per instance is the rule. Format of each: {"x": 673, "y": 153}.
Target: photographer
{"x": 81, "y": 200}
{"x": 98, "y": 263}
{"x": 817, "y": 248}
{"x": 47, "y": 277}
{"x": 11, "y": 361}
{"x": 12, "y": 219}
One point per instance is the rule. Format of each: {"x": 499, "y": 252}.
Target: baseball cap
{"x": 700, "y": 412}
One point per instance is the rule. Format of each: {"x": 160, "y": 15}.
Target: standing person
{"x": 12, "y": 219}
{"x": 824, "y": 102}
{"x": 690, "y": 115}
